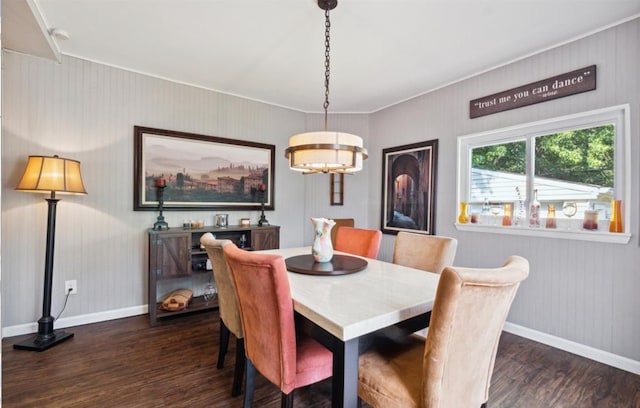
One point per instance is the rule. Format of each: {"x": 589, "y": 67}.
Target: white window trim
{"x": 618, "y": 114}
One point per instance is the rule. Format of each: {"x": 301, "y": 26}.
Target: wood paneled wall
{"x": 580, "y": 291}
{"x": 86, "y": 111}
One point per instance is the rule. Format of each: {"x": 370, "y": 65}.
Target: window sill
{"x": 578, "y": 235}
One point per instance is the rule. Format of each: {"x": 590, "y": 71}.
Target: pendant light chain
{"x": 327, "y": 38}
{"x": 326, "y": 152}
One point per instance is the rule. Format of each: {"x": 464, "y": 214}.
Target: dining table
{"x": 339, "y": 310}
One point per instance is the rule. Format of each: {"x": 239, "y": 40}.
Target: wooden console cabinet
{"x": 176, "y": 254}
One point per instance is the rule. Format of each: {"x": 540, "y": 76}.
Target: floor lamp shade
{"x": 49, "y": 174}
{"x": 54, "y": 174}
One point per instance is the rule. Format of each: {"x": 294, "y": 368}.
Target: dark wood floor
{"x": 126, "y": 363}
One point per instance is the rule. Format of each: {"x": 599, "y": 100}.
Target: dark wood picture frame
{"x": 409, "y": 188}
{"x": 336, "y": 188}
{"x": 201, "y": 172}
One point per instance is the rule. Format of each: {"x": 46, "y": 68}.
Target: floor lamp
{"x": 46, "y": 174}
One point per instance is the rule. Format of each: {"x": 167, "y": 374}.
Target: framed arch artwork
{"x": 409, "y": 188}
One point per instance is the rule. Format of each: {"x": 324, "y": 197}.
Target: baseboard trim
{"x": 591, "y": 353}
{"x": 61, "y": 323}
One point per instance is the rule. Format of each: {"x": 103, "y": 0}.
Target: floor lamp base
{"x": 39, "y": 343}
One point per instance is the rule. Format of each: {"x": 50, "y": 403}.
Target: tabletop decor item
{"x": 262, "y": 190}
{"x": 534, "y": 211}
{"x": 338, "y": 265}
{"x": 210, "y": 292}
{"x": 615, "y": 225}
{"x": 569, "y": 209}
{"x": 551, "y": 217}
{"x": 177, "y": 300}
{"x": 463, "y": 218}
{"x": 322, "y": 249}
{"x": 590, "y": 221}
{"x": 160, "y": 223}
{"x": 222, "y": 220}
{"x": 506, "y": 217}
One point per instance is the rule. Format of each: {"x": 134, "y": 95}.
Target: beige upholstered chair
{"x": 427, "y": 252}
{"x": 228, "y": 306}
{"x": 453, "y": 367}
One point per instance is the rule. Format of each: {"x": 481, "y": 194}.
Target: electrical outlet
{"x": 71, "y": 284}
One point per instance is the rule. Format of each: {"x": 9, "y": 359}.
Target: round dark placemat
{"x": 339, "y": 265}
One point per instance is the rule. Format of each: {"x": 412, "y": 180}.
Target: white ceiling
{"x": 382, "y": 51}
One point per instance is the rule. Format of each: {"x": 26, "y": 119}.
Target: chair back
{"x": 469, "y": 312}
{"x": 358, "y": 241}
{"x": 266, "y": 311}
{"x": 427, "y": 252}
{"x": 227, "y": 302}
{"x": 340, "y": 222}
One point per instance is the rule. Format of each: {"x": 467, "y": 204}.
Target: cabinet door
{"x": 265, "y": 238}
{"x": 170, "y": 255}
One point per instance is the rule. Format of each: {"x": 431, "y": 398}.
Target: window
{"x": 570, "y": 167}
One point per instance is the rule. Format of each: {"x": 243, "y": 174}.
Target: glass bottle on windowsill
{"x": 551, "y": 217}
{"x": 534, "y": 211}
{"x": 463, "y": 218}
{"x": 506, "y": 217}
{"x": 615, "y": 225}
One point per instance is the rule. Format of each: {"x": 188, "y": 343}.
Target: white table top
{"x": 349, "y": 306}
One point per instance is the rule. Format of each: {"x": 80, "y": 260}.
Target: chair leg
{"x": 239, "y": 370}
{"x": 483, "y": 405}
{"x": 249, "y": 384}
{"x": 224, "y": 343}
{"x": 287, "y": 400}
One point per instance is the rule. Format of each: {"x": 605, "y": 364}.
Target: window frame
{"x": 618, "y": 115}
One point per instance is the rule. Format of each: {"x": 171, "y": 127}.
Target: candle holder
{"x": 263, "y": 220}
{"x": 160, "y": 223}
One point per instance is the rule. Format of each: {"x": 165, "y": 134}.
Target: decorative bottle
{"x": 463, "y": 218}
{"x": 534, "y": 211}
{"x": 551, "y": 216}
{"x": 506, "y": 218}
{"x": 615, "y": 225}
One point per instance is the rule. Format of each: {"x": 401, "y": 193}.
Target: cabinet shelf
{"x": 176, "y": 254}
{"x": 197, "y": 304}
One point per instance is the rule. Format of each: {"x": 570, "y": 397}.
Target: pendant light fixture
{"x": 326, "y": 152}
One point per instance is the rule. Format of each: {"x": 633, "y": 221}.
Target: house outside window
{"x": 572, "y": 166}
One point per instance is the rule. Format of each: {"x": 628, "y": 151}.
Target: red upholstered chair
{"x": 453, "y": 367}
{"x": 288, "y": 359}
{"x": 228, "y": 307}
{"x": 358, "y": 241}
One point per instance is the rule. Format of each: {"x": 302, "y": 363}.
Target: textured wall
{"x": 87, "y": 111}
{"x": 580, "y": 291}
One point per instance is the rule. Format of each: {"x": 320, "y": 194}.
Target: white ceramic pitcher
{"x": 322, "y": 249}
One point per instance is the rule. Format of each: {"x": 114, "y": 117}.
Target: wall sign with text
{"x": 570, "y": 83}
